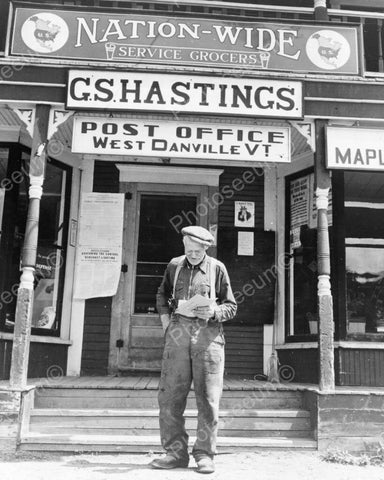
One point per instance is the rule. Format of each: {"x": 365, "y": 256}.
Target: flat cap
{"x": 198, "y": 234}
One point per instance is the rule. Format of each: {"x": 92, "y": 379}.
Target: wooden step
{"x": 147, "y": 398}
{"x": 240, "y": 423}
{"x": 87, "y": 412}
{"x": 151, "y": 443}
{"x": 95, "y": 431}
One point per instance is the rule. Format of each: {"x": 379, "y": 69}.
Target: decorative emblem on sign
{"x": 45, "y": 32}
{"x": 328, "y": 49}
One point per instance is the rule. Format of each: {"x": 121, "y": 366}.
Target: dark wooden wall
{"x": 303, "y": 363}
{"x": 353, "y": 367}
{"x": 46, "y": 360}
{"x": 252, "y": 279}
{"x": 360, "y": 367}
{"x": 97, "y": 321}
{"x": 255, "y": 304}
{"x": 243, "y": 350}
{"x": 97, "y": 318}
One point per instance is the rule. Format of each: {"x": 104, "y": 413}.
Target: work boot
{"x": 168, "y": 462}
{"x": 205, "y": 464}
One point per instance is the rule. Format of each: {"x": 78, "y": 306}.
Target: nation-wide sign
{"x": 182, "y": 139}
{"x": 184, "y": 93}
{"x": 351, "y": 148}
{"x": 125, "y": 37}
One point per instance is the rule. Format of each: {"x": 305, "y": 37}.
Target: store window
{"x": 364, "y": 251}
{"x": 301, "y": 275}
{"x": 50, "y": 262}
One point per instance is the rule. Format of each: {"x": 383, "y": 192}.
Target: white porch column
{"x": 325, "y": 301}
{"x": 24, "y": 305}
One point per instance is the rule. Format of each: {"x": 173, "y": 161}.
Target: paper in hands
{"x": 187, "y": 307}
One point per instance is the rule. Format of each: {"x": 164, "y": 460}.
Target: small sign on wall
{"x": 245, "y": 214}
{"x": 355, "y": 148}
{"x": 245, "y": 243}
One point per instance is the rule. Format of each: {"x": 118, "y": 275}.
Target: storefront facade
{"x": 149, "y": 130}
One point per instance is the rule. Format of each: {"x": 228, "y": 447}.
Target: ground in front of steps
{"x": 261, "y": 465}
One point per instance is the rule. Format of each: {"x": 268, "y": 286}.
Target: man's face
{"x": 194, "y": 251}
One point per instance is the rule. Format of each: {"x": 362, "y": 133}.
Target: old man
{"x": 194, "y": 349}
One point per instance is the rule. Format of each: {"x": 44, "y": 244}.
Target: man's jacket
{"x": 192, "y": 279}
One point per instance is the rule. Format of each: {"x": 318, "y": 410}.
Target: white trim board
{"x": 169, "y": 175}
{"x": 38, "y": 339}
{"x": 342, "y": 344}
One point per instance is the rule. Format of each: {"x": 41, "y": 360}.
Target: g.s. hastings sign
{"x": 183, "y": 93}
{"x": 126, "y": 37}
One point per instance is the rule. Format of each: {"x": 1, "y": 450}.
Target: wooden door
{"x": 155, "y": 215}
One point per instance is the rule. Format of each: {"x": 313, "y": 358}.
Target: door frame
{"x": 166, "y": 181}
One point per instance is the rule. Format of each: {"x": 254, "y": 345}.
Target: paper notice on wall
{"x": 295, "y": 238}
{"x": 101, "y": 219}
{"x": 300, "y": 201}
{"x": 99, "y": 250}
{"x": 245, "y": 243}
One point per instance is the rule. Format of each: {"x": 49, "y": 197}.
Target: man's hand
{"x": 165, "y": 319}
{"x": 205, "y": 313}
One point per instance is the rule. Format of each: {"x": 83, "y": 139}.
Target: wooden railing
{"x": 372, "y": 22}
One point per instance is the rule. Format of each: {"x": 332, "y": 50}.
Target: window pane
{"x": 364, "y": 251}
{"x": 302, "y": 273}
{"x": 14, "y": 222}
{"x": 50, "y": 258}
{"x": 365, "y": 289}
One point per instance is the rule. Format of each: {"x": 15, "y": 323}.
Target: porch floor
{"x": 152, "y": 383}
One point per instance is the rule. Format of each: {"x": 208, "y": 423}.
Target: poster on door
{"x": 99, "y": 249}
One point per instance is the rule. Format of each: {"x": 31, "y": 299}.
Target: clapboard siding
{"x": 244, "y": 334}
{"x": 47, "y": 360}
{"x": 94, "y": 360}
{"x": 97, "y": 317}
{"x": 243, "y": 350}
{"x": 361, "y": 367}
{"x": 251, "y": 190}
{"x": 252, "y": 278}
